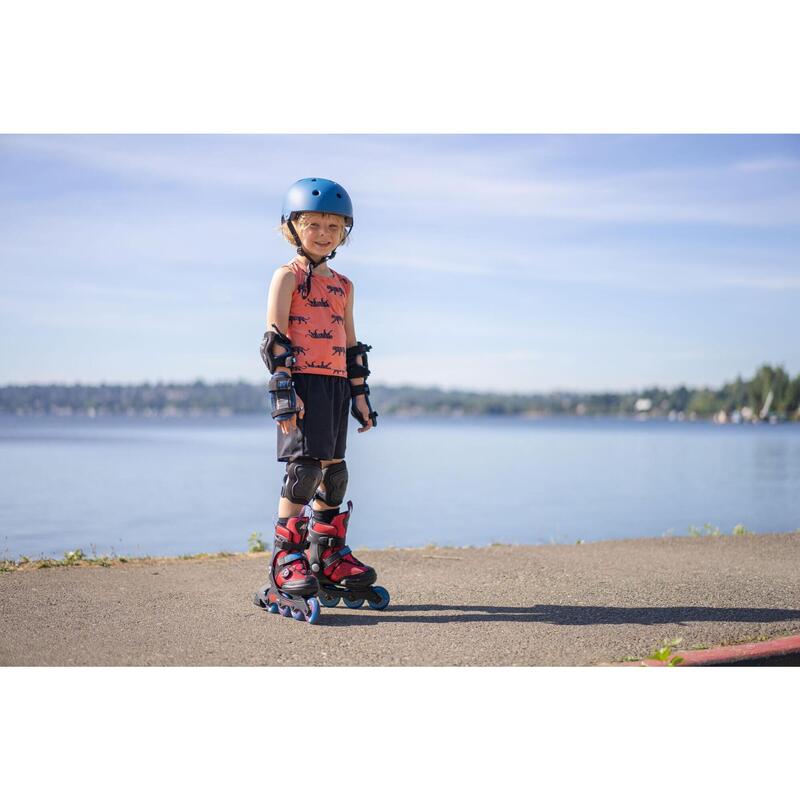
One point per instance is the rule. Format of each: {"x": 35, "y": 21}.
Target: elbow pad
{"x": 271, "y": 338}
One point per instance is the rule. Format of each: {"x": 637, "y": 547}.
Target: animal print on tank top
{"x": 316, "y": 323}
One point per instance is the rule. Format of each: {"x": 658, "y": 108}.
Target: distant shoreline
{"x": 154, "y": 414}
{"x": 771, "y": 395}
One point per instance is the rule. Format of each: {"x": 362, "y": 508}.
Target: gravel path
{"x": 501, "y": 605}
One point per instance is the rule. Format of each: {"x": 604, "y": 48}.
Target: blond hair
{"x": 301, "y": 221}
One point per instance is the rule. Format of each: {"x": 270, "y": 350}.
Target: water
{"x": 174, "y": 486}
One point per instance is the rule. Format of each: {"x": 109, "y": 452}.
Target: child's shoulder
{"x": 285, "y": 271}
{"x": 290, "y": 266}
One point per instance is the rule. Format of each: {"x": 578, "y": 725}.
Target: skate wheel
{"x": 355, "y": 602}
{"x": 313, "y": 605}
{"x": 298, "y": 614}
{"x": 272, "y": 608}
{"x": 285, "y": 611}
{"x": 384, "y": 601}
{"x": 329, "y": 601}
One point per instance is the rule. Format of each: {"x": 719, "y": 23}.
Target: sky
{"x": 520, "y": 263}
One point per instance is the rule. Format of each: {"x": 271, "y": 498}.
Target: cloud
{"x": 619, "y": 267}
{"x": 418, "y": 263}
{"x": 772, "y": 283}
{"x": 447, "y": 176}
{"x": 188, "y": 161}
{"x": 767, "y": 165}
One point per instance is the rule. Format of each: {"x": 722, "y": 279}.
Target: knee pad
{"x": 301, "y": 480}
{"x": 335, "y": 479}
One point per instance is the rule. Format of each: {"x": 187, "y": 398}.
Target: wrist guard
{"x": 355, "y": 391}
{"x": 272, "y": 361}
{"x": 282, "y": 397}
{"x": 354, "y": 369}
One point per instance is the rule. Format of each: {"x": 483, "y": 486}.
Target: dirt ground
{"x": 501, "y": 605}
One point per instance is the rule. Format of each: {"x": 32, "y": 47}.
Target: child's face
{"x": 321, "y": 233}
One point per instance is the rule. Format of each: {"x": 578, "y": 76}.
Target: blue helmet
{"x": 318, "y": 195}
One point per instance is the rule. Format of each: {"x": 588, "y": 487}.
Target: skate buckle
{"x": 289, "y": 559}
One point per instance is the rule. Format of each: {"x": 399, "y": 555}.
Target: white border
{"x": 620, "y": 65}
{"x": 423, "y": 732}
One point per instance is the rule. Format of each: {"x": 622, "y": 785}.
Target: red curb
{"x": 788, "y": 645}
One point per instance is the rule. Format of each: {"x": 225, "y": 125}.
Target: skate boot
{"x": 340, "y": 573}
{"x": 292, "y": 587}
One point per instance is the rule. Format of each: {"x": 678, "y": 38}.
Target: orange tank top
{"x": 316, "y": 323}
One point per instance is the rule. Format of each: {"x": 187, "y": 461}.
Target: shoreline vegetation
{"x": 771, "y": 395}
{"x": 77, "y": 558}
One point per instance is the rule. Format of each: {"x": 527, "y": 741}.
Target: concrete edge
{"x": 729, "y": 655}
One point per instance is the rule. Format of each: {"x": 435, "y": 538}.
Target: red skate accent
{"x": 298, "y": 569}
{"x": 735, "y": 653}
{"x": 348, "y": 565}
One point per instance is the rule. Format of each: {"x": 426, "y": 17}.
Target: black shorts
{"x": 322, "y": 431}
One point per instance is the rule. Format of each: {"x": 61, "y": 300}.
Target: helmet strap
{"x": 312, "y": 264}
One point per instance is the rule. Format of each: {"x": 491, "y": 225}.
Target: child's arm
{"x": 350, "y": 331}
{"x": 279, "y": 303}
{"x": 278, "y": 306}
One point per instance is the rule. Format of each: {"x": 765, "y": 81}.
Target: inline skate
{"x": 340, "y": 574}
{"x": 292, "y": 587}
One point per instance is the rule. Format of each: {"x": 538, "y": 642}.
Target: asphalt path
{"x": 561, "y": 605}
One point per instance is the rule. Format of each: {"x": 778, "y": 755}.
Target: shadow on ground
{"x": 559, "y": 615}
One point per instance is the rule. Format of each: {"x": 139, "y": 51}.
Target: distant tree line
{"x": 771, "y": 392}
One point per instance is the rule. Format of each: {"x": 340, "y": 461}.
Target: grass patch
{"x": 198, "y": 556}
{"x": 77, "y": 558}
{"x": 664, "y": 653}
{"x": 713, "y": 530}
{"x": 74, "y": 557}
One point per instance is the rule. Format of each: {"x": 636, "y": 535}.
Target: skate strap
{"x": 337, "y": 556}
{"x": 282, "y": 543}
{"x": 325, "y": 541}
{"x": 288, "y": 559}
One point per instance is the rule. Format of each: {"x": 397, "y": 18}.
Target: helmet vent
{"x": 315, "y": 192}
{"x": 338, "y": 195}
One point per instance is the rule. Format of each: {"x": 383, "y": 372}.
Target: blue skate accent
{"x": 313, "y": 605}
{"x": 329, "y": 601}
{"x": 384, "y": 599}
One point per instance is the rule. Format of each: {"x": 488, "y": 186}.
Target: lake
{"x": 169, "y": 486}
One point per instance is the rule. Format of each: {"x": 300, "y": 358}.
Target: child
{"x": 318, "y": 368}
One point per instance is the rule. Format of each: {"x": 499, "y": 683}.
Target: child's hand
{"x": 288, "y": 425}
{"x": 363, "y": 409}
